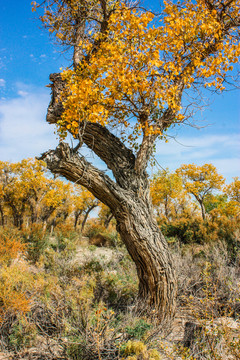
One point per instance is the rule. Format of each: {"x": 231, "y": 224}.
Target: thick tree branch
{"x": 99, "y": 139}
{"x": 144, "y": 153}
{"x": 75, "y": 168}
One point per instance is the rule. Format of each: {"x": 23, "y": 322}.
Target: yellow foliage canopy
{"x": 135, "y": 77}
{"x": 200, "y": 180}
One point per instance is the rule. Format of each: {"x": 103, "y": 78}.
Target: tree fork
{"x": 135, "y": 224}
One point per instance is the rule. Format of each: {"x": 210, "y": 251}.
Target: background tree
{"x": 105, "y": 215}
{"x": 84, "y": 202}
{"x": 26, "y": 193}
{"x": 32, "y": 176}
{"x": 130, "y": 71}
{"x": 57, "y": 202}
{"x": 233, "y": 190}
{"x": 15, "y": 192}
{"x": 165, "y": 188}
{"x": 212, "y": 202}
{"x": 200, "y": 181}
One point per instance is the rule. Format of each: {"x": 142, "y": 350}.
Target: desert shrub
{"x": 212, "y": 263}
{"x": 93, "y": 228}
{"x": 193, "y": 230}
{"x": 11, "y": 245}
{"x": 187, "y": 230}
{"x": 114, "y": 238}
{"x": 139, "y": 329}
{"x": 106, "y": 336}
{"x": 36, "y": 239}
{"x": 22, "y": 334}
{"x": 65, "y": 231}
{"x": 60, "y": 263}
{"x": 137, "y": 350}
{"x": 118, "y": 289}
{"x": 13, "y": 299}
{"x": 21, "y": 288}
{"x": 116, "y": 280}
{"x": 211, "y": 334}
{"x": 59, "y": 253}
{"x": 111, "y": 236}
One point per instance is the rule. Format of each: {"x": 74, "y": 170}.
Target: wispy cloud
{"x": 23, "y": 130}
{"x": 220, "y": 150}
{"x": 22, "y": 93}
{"x": 2, "y": 83}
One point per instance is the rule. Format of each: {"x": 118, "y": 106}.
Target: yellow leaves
{"x": 165, "y": 184}
{"x": 141, "y": 59}
{"x": 200, "y": 180}
{"x": 233, "y": 190}
{"x": 74, "y": 124}
{"x": 34, "y": 6}
{"x": 180, "y": 117}
{"x": 26, "y": 191}
{"x": 12, "y": 298}
{"x": 10, "y": 247}
{"x": 156, "y": 62}
{"x": 60, "y": 36}
{"x": 166, "y": 192}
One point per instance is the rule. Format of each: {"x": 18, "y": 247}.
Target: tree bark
{"x": 77, "y": 214}
{"x": 203, "y": 211}
{"x": 2, "y": 216}
{"x": 149, "y": 251}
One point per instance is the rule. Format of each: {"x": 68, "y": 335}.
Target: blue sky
{"x": 27, "y": 57}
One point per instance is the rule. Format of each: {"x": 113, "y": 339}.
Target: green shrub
{"x": 37, "y": 240}
{"x": 139, "y": 329}
{"x": 23, "y": 334}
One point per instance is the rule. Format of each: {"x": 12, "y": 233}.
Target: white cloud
{"x": 222, "y": 150}
{"x": 2, "y": 83}
{"x": 229, "y": 167}
{"x": 22, "y": 93}
{"x": 23, "y": 130}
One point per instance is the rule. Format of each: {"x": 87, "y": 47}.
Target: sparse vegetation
{"x": 65, "y": 294}
{"x": 72, "y": 300}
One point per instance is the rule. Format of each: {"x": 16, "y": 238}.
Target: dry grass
{"x": 83, "y": 302}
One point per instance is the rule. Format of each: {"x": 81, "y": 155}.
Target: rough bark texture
{"x": 129, "y": 200}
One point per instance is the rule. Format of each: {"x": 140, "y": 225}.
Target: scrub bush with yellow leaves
{"x": 137, "y": 350}
{"x": 13, "y": 299}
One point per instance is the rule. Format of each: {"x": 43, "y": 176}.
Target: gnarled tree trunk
{"x": 128, "y": 197}
{"x": 135, "y": 223}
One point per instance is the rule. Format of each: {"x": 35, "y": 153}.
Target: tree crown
{"x": 131, "y": 67}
